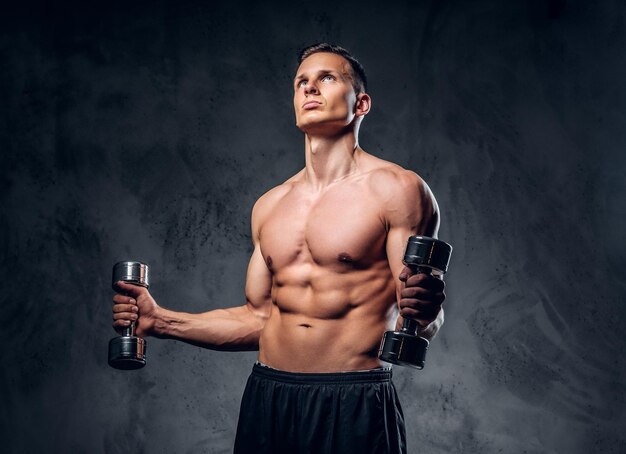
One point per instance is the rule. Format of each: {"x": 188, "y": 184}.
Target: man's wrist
{"x": 427, "y": 331}
{"x": 162, "y": 323}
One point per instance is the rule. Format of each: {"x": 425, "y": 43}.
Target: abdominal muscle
{"x": 332, "y": 323}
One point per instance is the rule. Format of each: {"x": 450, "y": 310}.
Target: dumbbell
{"x": 405, "y": 348}
{"x": 128, "y": 352}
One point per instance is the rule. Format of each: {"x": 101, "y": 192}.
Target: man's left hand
{"x": 421, "y": 296}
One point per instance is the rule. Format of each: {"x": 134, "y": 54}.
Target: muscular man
{"x": 324, "y": 282}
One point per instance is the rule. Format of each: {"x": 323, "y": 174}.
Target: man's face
{"x": 324, "y": 98}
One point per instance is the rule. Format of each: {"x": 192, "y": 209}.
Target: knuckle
{"x": 409, "y": 313}
{"x": 419, "y": 280}
{"x": 412, "y": 281}
{"x": 408, "y": 303}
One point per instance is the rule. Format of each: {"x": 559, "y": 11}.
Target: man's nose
{"x": 310, "y": 88}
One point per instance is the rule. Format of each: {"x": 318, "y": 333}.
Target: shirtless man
{"x": 324, "y": 282}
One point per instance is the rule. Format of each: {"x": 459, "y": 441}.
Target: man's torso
{"x": 333, "y": 292}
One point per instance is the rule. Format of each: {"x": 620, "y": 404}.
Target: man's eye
{"x": 301, "y": 83}
{"x": 328, "y": 77}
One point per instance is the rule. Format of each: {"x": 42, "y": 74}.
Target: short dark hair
{"x": 359, "y": 79}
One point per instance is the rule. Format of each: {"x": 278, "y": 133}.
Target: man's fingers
{"x": 421, "y": 294}
{"x": 425, "y": 313}
{"x": 123, "y": 299}
{"x": 130, "y": 308}
{"x": 121, "y": 324}
{"x": 406, "y": 273}
{"x": 125, "y": 316}
{"x": 125, "y": 309}
{"x": 427, "y": 281}
{"x": 422, "y": 306}
{"x": 129, "y": 289}
{"x": 420, "y": 317}
{"x": 428, "y": 307}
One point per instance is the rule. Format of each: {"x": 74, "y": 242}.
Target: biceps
{"x": 258, "y": 284}
{"x": 396, "y": 245}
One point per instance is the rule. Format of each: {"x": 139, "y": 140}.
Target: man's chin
{"x": 322, "y": 127}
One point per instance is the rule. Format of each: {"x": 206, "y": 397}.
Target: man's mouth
{"x": 311, "y": 105}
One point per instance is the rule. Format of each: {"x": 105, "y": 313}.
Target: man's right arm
{"x": 235, "y": 328}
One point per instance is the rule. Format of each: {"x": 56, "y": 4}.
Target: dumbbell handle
{"x": 133, "y": 273}
{"x": 130, "y": 330}
{"x": 410, "y": 326}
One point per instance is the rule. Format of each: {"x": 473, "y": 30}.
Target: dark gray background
{"x": 146, "y": 130}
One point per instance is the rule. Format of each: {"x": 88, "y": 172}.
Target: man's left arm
{"x": 411, "y": 209}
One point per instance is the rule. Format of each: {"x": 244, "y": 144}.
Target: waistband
{"x": 368, "y": 376}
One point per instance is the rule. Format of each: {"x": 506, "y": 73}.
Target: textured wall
{"x": 147, "y": 131}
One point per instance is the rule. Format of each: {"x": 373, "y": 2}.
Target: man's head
{"x": 329, "y": 90}
{"x": 359, "y": 79}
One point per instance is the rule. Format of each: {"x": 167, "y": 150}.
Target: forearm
{"x": 429, "y": 331}
{"x": 232, "y": 329}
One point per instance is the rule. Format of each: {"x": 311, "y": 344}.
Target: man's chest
{"x": 340, "y": 228}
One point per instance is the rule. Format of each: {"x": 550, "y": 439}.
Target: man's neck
{"x": 330, "y": 158}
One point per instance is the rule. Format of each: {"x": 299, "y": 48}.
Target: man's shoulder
{"x": 274, "y": 195}
{"x": 390, "y": 180}
{"x": 402, "y": 193}
{"x": 266, "y": 203}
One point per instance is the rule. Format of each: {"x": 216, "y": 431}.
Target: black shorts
{"x": 326, "y": 413}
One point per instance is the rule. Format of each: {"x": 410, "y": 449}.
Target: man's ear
{"x": 363, "y": 104}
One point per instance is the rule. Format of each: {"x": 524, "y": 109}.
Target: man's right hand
{"x": 135, "y": 305}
